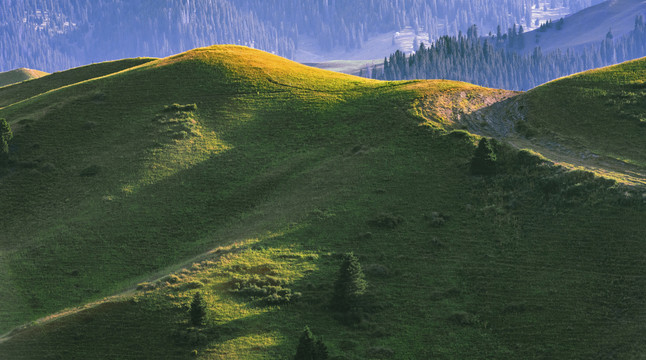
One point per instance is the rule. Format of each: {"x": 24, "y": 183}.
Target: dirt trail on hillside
{"x": 505, "y": 118}
{"x": 212, "y": 255}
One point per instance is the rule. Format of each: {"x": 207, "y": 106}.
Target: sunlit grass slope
{"x": 19, "y": 92}
{"x": 277, "y": 171}
{"x": 19, "y": 75}
{"x": 601, "y": 110}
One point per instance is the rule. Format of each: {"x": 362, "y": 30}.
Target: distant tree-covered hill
{"x": 496, "y": 61}
{"x": 58, "y": 34}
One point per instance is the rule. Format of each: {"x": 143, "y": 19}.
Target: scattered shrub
{"x": 193, "y": 285}
{"x": 180, "y": 108}
{"x": 145, "y": 286}
{"x": 89, "y": 125}
{"x": 377, "y": 270}
{"x": 529, "y": 158}
{"x": 171, "y": 279}
{"x": 463, "y": 318}
{"x": 48, "y": 167}
{"x": 388, "y": 221}
{"x": 266, "y": 289}
{"x": 180, "y": 135}
{"x": 91, "y": 170}
{"x": 437, "y": 219}
{"x": 379, "y": 352}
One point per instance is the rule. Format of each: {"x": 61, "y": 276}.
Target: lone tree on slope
{"x": 310, "y": 348}
{"x": 198, "y": 310}
{"x": 5, "y": 136}
{"x": 484, "y": 159}
{"x": 350, "y": 285}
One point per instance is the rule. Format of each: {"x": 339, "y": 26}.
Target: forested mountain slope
{"x": 245, "y": 177}
{"x": 60, "y": 34}
{"x": 587, "y": 27}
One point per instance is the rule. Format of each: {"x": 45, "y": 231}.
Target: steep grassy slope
{"x": 588, "y": 25}
{"x": 601, "y": 110}
{"x": 19, "y": 75}
{"x": 295, "y": 166}
{"x": 19, "y": 92}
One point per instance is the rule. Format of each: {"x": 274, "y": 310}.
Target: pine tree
{"x": 350, "y": 285}
{"x": 310, "y": 348}
{"x": 484, "y": 158}
{"x": 5, "y": 136}
{"x": 198, "y": 310}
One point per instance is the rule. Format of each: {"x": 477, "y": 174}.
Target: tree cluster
{"x": 494, "y": 61}
{"x": 56, "y": 35}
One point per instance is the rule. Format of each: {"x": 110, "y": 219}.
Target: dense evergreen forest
{"x": 493, "y": 61}
{"x": 52, "y": 35}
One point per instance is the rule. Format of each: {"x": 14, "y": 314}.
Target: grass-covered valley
{"x": 131, "y": 186}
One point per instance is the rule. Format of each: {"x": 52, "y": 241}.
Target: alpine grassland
{"x": 19, "y": 75}
{"x": 602, "y": 110}
{"x": 247, "y": 178}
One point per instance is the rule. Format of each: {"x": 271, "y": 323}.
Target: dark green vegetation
{"x": 55, "y": 35}
{"x": 282, "y": 171}
{"x": 5, "y": 136}
{"x": 310, "y": 348}
{"x": 498, "y": 61}
{"x": 350, "y": 285}
{"x": 19, "y": 75}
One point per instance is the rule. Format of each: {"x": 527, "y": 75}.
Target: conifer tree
{"x": 198, "y": 310}
{"x": 350, "y": 285}
{"x": 310, "y": 348}
{"x": 5, "y": 136}
{"x": 484, "y": 158}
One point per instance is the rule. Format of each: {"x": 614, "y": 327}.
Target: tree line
{"x": 53, "y": 35}
{"x": 494, "y": 61}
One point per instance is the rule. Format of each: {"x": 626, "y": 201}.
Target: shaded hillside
{"x": 12, "y": 94}
{"x": 254, "y": 184}
{"x": 19, "y": 75}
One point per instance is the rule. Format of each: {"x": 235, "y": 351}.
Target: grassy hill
{"x": 262, "y": 185}
{"x": 19, "y": 92}
{"x": 588, "y": 26}
{"x": 19, "y": 75}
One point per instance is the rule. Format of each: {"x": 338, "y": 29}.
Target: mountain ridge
{"x": 274, "y": 170}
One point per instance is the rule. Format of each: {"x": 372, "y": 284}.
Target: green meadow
{"x": 234, "y": 173}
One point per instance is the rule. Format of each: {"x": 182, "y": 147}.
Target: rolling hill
{"x": 19, "y": 75}
{"x": 587, "y": 26}
{"x": 246, "y": 177}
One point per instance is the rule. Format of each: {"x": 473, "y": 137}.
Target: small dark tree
{"x": 321, "y": 350}
{"x": 5, "y": 136}
{"x": 484, "y": 159}
{"x": 198, "y": 310}
{"x": 310, "y": 348}
{"x": 350, "y": 285}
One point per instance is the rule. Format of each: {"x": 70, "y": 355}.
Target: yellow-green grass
{"x": 22, "y": 91}
{"x": 602, "y": 111}
{"x": 19, "y": 75}
{"x": 293, "y": 164}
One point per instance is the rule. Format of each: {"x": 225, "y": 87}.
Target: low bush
{"x": 266, "y": 289}
{"x": 91, "y": 170}
{"x": 180, "y": 108}
{"x": 388, "y": 221}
